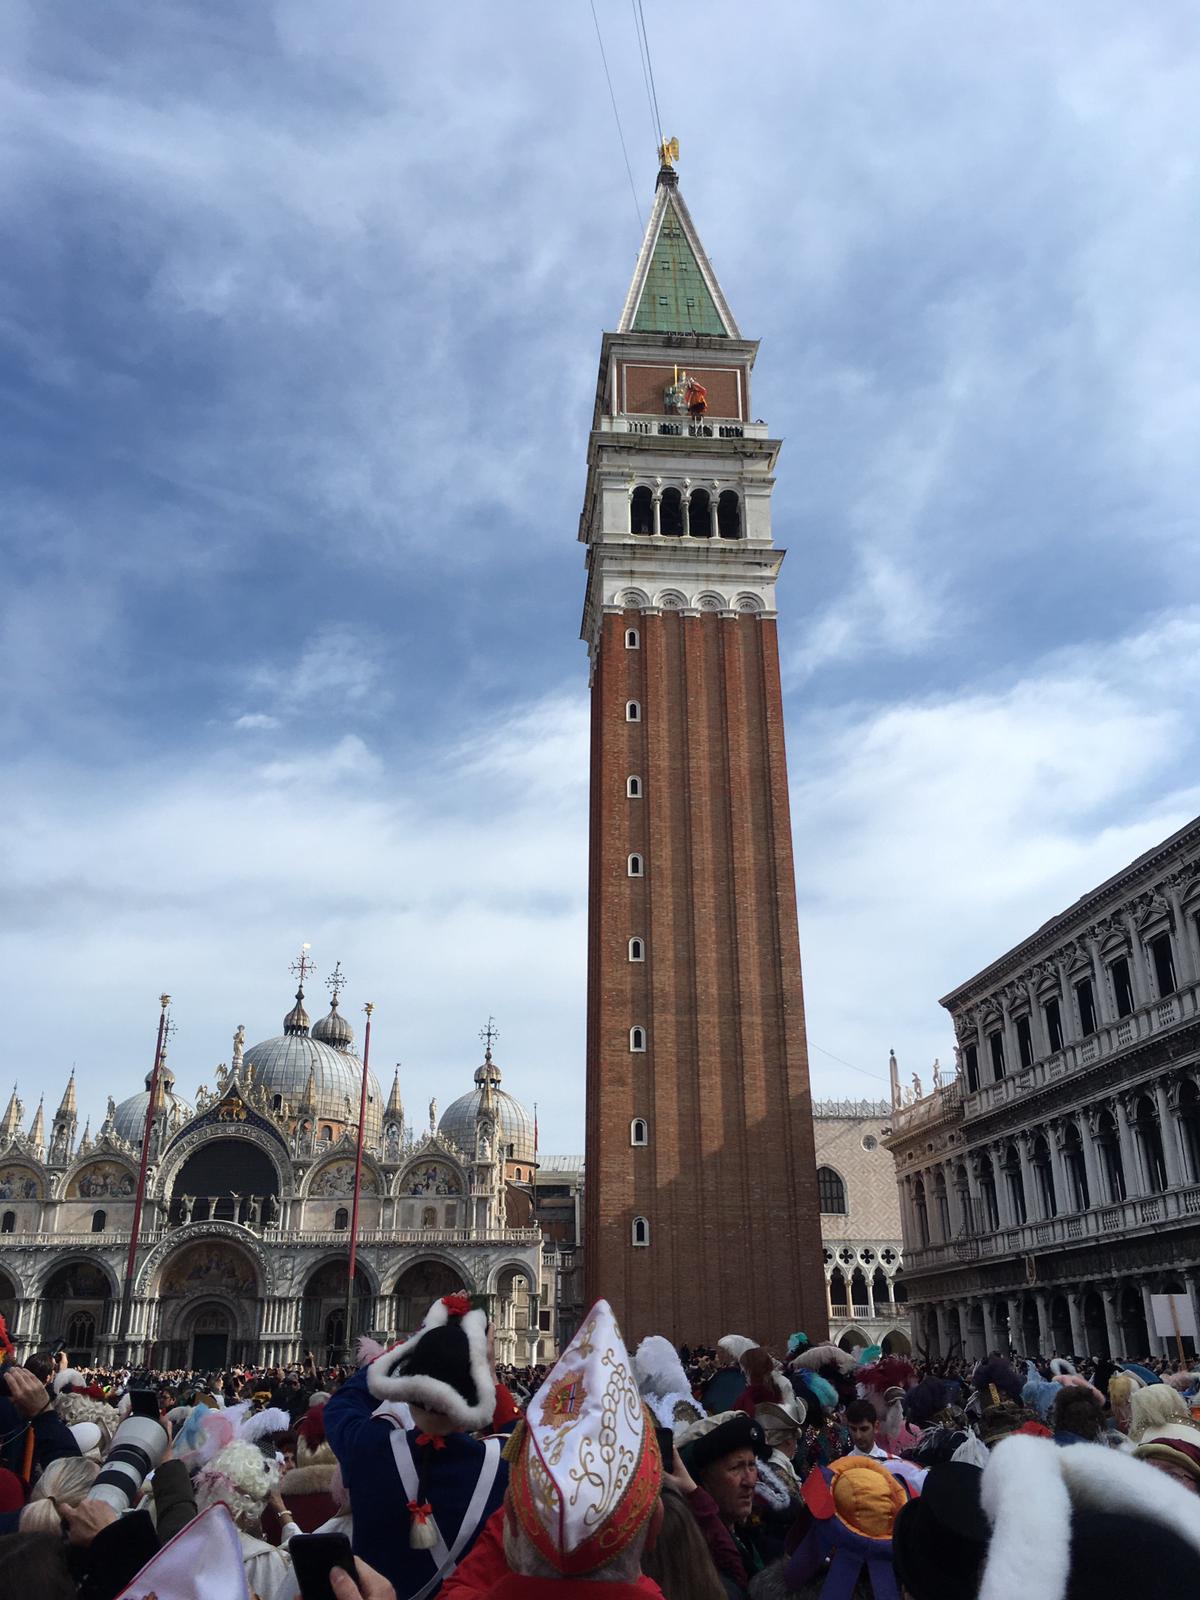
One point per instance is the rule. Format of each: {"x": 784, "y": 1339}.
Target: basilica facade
{"x": 243, "y": 1247}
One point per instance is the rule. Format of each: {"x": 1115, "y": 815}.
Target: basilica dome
{"x": 129, "y": 1119}
{"x": 300, "y": 1063}
{"x": 516, "y": 1125}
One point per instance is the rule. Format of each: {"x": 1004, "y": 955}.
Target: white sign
{"x": 1173, "y": 1313}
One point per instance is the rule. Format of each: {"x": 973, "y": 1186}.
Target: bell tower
{"x": 701, "y": 1194}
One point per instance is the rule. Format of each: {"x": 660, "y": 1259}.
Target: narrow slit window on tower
{"x": 637, "y": 1039}
{"x": 729, "y": 515}
{"x": 632, "y": 642}
{"x": 638, "y": 1132}
{"x": 633, "y": 788}
{"x": 641, "y": 510}
{"x": 637, "y": 950}
{"x": 633, "y": 711}
{"x": 641, "y": 1232}
{"x": 636, "y": 867}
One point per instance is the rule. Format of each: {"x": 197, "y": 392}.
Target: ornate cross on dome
{"x": 303, "y": 964}
{"x": 488, "y": 1035}
{"x": 336, "y": 982}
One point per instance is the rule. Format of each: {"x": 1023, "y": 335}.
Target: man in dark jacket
{"x": 32, "y": 1434}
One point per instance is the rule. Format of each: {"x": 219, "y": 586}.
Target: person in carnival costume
{"x": 421, "y": 1494}
{"x": 583, "y": 1493}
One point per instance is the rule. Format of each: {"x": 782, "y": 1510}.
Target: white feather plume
{"x": 658, "y": 1369}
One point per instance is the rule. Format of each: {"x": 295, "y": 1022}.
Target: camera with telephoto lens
{"x": 138, "y": 1446}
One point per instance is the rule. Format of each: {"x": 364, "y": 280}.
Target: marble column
{"x": 1138, "y": 976}
{"x": 1185, "y": 957}
{"x": 1168, "y": 1127}
{"x": 1078, "y": 1334}
{"x": 1034, "y": 1209}
{"x": 1066, "y": 1005}
{"x": 1016, "y": 1338}
{"x": 1156, "y": 1344}
{"x": 1116, "y": 1341}
{"x": 991, "y": 1333}
{"x": 1102, "y": 1004}
{"x": 1130, "y": 1155}
{"x": 1091, "y": 1164}
{"x": 1045, "y": 1338}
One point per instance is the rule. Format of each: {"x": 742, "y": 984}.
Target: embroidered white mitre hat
{"x": 586, "y": 1472}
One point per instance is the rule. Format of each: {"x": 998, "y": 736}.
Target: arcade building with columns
{"x": 1051, "y": 1187}
{"x": 243, "y": 1250}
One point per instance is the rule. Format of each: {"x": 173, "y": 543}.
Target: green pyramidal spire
{"x": 674, "y": 288}
{"x": 676, "y": 298}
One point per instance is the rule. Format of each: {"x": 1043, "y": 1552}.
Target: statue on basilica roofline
{"x": 239, "y": 1044}
{"x": 433, "y": 1115}
{"x": 916, "y": 1087}
{"x": 937, "y": 1073}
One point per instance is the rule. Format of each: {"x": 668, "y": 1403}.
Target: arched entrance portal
{"x": 209, "y": 1301}
{"x": 417, "y": 1289}
{"x": 209, "y": 1335}
{"x": 896, "y": 1343}
{"x": 76, "y": 1300}
{"x": 323, "y": 1314}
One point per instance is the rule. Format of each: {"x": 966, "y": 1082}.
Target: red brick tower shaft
{"x": 702, "y": 1214}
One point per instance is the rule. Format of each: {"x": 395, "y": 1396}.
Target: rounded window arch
{"x": 633, "y": 711}
{"x": 341, "y": 1217}
{"x": 81, "y": 1331}
{"x": 641, "y": 510}
{"x": 99, "y": 1218}
{"x": 729, "y": 515}
{"x": 8, "y": 1223}
{"x": 637, "y": 867}
{"x": 637, "y": 949}
{"x": 327, "y": 1134}
{"x": 633, "y": 786}
{"x": 700, "y": 514}
{"x": 641, "y": 1232}
{"x": 670, "y": 513}
{"x": 637, "y": 1039}
{"x": 632, "y": 639}
{"x": 831, "y": 1192}
{"x": 639, "y": 1131}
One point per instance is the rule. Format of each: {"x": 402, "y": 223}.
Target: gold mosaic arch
{"x": 20, "y": 1181}
{"x": 334, "y": 1180}
{"x": 102, "y": 1180}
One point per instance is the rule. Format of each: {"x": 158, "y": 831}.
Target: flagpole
{"x": 164, "y": 1000}
{"x": 362, "y": 1129}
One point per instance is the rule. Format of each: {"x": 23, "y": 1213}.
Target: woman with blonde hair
{"x": 243, "y": 1480}
{"x": 1153, "y": 1407}
{"x": 65, "y": 1482}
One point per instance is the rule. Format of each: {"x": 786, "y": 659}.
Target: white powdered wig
{"x": 1029, "y": 1489}
{"x": 658, "y": 1369}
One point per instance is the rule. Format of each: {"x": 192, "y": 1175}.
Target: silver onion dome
{"x": 512, "y": 1119}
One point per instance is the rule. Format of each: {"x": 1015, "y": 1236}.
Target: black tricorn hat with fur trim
{"x": 444, "y": 1367}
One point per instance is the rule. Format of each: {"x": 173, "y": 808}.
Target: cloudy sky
{"x": 300, "y": 309}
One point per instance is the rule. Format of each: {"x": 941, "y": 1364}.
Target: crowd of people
{"x": 694, "y": 1474}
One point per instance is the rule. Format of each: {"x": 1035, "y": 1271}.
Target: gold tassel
{"x": 422, "y": 1532}
{"x": 512, "y": 1445}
